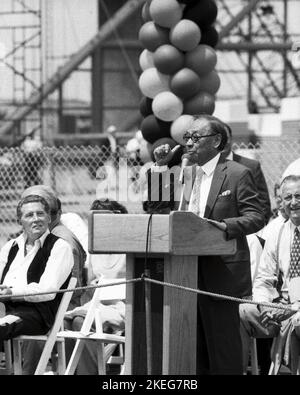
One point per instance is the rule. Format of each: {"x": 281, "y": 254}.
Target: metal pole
{"x": 148, "y": 322}
{"x": 284, "y": 52}
{"x": 250, "y": 75}
{"x": 239, "y": 17}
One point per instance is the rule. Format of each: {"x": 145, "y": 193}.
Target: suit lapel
{"x": 216, "y": 185}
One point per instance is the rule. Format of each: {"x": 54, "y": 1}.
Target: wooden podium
{"x": 175, "y": 242}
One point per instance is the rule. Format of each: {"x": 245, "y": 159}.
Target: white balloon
{"x": 167, "y": 106}
{"x": 146, "y": 60}
{"x": 180, "y": 126}
{"x": 152, "y": 82}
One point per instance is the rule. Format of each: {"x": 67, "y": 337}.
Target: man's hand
{"x": 163, "y": 154}
{"x": 5, "y": 291}
{"x": 218, "y": 224}
{"x": 271, "y": 316}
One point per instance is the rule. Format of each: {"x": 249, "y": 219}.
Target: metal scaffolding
{"x": 254, "y": 59}
{"x": 21, "y": 23}
{"x": 256, "y": 43}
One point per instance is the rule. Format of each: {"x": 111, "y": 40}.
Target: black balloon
{"x": 153, "y": 128}
{"x": 209, "y": 36}
{"x": 188, "y": 2}
{"x": 203, "y": 13}
{"x": 176, "y": 160}
{"x": 146, "y": 106}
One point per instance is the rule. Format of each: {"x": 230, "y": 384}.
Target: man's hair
{"x": 292, "y": 177}
{"x": 110, "y": 205}
{"x": 216, "y": 126}
{"x": 31, "y": 199}
{"x": 47, "y": 193}
{"x": 58, "y": 204}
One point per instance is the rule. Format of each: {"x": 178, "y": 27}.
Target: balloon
{"x": 176, "y": 160}
{"x": 202, "y": 59}
{"x": 209, "y": 36}
{"x": 152, "y": 36}
{"x": 201, "y": 103}
{"x": 138, "y": 135}
{"x": 185, "y": 83}
{"x": 168, "y": 59}
{"x": 145, "y": 149}
{"x": 146, "y": 60}
{"x": 167, "y": 106}
{"x": 146, "y": 13}
{"x": 132, "y": 145}
{"x": 187, "y": 2}
{"x": 153, "y": 128}
{"x": 203, "y": 13}
{"x": 210, "y": 82}
{"x": 180, "y": 126}
{"x": 152, "y": 82}
{"x": 166, "y": 13}
{"x": 146, "y": 106}
{"x": 185, "y": 35}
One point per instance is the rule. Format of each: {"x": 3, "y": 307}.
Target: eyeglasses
{"x": 288, "y": 198}
{"x": 195, "y": 136}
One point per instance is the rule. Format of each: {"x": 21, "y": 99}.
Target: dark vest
{"x": 47, "y": 309}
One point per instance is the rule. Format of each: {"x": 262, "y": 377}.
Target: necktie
{"x": 295, "y": 255}
{"x": 195, "y": 203}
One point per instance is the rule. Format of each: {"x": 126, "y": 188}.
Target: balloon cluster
{"x": 178, "y": 66}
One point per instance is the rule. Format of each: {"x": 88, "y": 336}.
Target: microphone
{"x": 184, "y": 163}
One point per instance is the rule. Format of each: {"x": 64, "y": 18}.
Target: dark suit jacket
{"x": 260, "y": 183}
{"x": 241, "y": 211}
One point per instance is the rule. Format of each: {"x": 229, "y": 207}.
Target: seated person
{"x": 34, "y": 262}
{"x": 106, "y": 266}
{"x": 32, "y": 350}
{"x": 277, "y": 279}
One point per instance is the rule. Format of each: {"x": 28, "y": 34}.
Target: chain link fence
{"x": 81, "y": 174}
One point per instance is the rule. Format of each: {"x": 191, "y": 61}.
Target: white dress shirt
{"x": 208, "y": 169}
{"x": 57, "y": 270}
{"x": 275, "y": 258}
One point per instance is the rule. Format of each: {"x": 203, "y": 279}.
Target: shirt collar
{"x": 293, "y": 226}
{"x": 20, "y": 240}
{"x": 209, "y": 167}
{"x": 230, "y": 156}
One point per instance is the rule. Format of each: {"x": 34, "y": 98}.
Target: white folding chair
{"x": 50, "y": 339}
{"x": 104, "y": 341}
{"x": 253, "y": 357}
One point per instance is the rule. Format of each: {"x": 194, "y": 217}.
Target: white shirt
{"x": 77, "y": 225}
{"x": 208, "y": 169}
{"x": 108, "y": 265}
{"x": 273, "y": 226}
{"x": 255, "y": 249}
{"x": 275, "y": 258}
{"x": 57, "y": 270}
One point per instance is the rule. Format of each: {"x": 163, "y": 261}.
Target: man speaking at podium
{"x": 223, "y": 192}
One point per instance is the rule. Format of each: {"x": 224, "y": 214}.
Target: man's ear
{"x": 218, "y": 140}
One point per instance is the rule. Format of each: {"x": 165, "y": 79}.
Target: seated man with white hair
{"x": 278, "y": 280}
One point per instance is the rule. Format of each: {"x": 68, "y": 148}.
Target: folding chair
{"x": 50, "y": 339}
{"x": 104, "y": 341}
{"x": 253, "y": 357}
